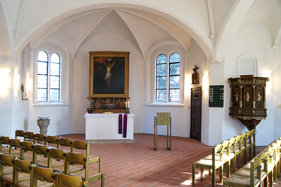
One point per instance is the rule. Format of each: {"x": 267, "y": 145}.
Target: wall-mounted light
{"x": 23, "y": 96}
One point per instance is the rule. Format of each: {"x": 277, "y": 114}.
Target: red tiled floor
{"x": 137, "y": 164}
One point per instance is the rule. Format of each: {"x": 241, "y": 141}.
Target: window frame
{"x": 48, "y": 89}
{"x": 168, "y": 76}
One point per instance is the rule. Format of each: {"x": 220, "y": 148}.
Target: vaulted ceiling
{"x": 210, "y": 23}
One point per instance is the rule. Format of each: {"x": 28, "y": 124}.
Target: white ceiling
{"x": 142, "y": 32}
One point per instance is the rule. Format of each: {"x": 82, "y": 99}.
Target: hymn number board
{"x": 216, "y": 95}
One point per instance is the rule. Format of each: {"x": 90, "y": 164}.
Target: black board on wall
{"x": 216, "y": 95}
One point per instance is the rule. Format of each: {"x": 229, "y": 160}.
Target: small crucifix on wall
{"x": 195, "y": 75}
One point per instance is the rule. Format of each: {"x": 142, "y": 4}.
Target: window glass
{"x": 42, "y": 95}
{"x": 48, "y": 77}
{"x": 175, "y": 57}
{"x": 55, "y": 69}
{"x": 42, "y": 68}
{"x": 161, "y": 59}
{"x": 42, "y": 56}
{"x": 55, "y": 58}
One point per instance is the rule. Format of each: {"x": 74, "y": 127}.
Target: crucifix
{"x": 195, "y": 75}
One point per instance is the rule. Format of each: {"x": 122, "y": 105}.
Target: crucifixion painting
{"x": 109, "y": 74}
{"x": 109, "y": 64}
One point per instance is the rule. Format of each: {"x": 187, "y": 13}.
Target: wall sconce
{"x": 23, "y": 96}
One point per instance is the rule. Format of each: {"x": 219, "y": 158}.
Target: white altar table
{"x": 105, "y": 126}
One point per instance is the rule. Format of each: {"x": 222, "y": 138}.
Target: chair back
{"x": 65, "y": 142}
{"x": 4, "y": 140}
{"x": 14, "y": 144}
{"x": 57, "y": 154}
{"x": 19, "y": 133}
{"x": 81, "y": 145}
{"x": 44, "y": 174}
{"x": 40, "y": 138}
{"x": 75, "y": 158}
{"x": 6, "y": 160}
{"x": 22, "y": 166}
{"x": 26, "y": 146}
{"x": 52, "y": 140}
{"x": 28, "y": 136}
{"x": 69, "y": 181}
{"x": 163, "y": 118}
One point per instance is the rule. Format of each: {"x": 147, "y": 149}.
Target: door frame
{"x": 191, "y": 104}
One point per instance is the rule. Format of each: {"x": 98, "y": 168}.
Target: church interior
{"x": 128, "y": 79}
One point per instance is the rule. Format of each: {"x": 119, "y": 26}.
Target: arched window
{"x": 174, "y": 75}
{"x": 161, "y": 78}
{"x": 48, "y": 77}
{"x": 168, "y": 84}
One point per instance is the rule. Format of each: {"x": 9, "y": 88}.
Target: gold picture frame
{"x": 109, "y": 74}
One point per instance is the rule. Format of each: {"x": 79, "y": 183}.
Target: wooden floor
{"x": 137, "y": 164}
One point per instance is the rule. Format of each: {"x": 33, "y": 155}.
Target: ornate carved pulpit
{"x": 247, "y": 102}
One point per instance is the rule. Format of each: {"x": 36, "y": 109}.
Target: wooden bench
{"x": 224, "y": 153}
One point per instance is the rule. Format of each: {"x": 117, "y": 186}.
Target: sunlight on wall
{"x": 187, "y": 85}
{"x": 16, "y": 84}
{"x": 205, "y": 83}
{"x": 267, "y": 73}
{"x": 5, "y": 82}
{"x": 28, "y": 84}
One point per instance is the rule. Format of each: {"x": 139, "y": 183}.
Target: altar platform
{"x": 103, "y": 128}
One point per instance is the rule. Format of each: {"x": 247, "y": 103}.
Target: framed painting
{"x": 109, "y": 74}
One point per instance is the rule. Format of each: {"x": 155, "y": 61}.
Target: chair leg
{"x": 234, "y": 164}
{"x": 155, "y": 137}
{"x": 170, "y": 136}
{"x": 193, "y": 174}
{"x": 102, "y": 180}
{"x": 245, "y": 156}
{"x": 228, "y": 169}
{"x": 202, "y": 173}
{"x": 167, "y": 137}
{"x": 221, "y": 174}
{"x": 169, "y": 146}
{"x": 213, "y": 177}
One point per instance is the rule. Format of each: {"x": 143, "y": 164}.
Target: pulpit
{"x": 247, "y": 102}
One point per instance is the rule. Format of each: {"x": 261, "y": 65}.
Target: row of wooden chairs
{"x": 264, "y": 168}
{"x": 54, "y": 140}
{"x": 225, "y": 153}
{"x": 67, "y": 143}
{"x": 53, "y": 155}
{"x": 18, "y": 172}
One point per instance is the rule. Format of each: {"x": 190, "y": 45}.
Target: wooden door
{"x": 195, "y": 113}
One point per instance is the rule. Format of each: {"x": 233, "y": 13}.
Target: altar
{"x": 105, "y": 127}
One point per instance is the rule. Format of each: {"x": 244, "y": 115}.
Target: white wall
{"x": 6, "y": 95}
{"x": 253, "y": 40}
{"x": 111, "y": 35}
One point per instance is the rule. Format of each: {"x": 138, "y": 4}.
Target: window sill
{"x": 50, "y": 104}
{"x": 174, "y": 104}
